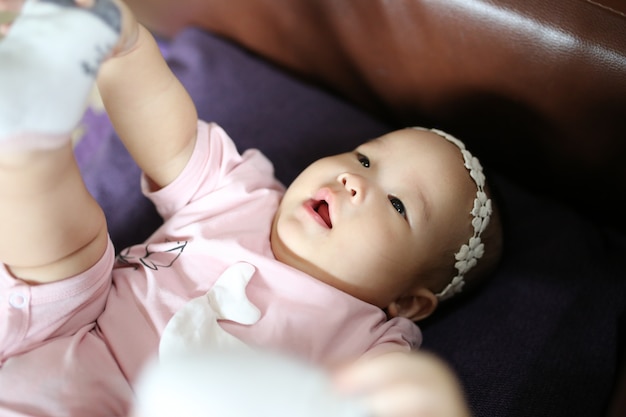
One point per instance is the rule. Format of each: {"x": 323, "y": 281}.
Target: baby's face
{"x": 369, "y": 221}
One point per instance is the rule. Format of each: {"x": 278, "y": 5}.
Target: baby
{"x": 338, "y": 266}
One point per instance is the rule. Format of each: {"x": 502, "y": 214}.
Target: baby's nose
{"x": 354, "y": 184}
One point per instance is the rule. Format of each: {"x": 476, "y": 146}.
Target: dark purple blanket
{"x": 544, "y": 337}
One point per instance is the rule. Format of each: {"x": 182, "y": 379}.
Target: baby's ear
{"x": 415, "y": 306}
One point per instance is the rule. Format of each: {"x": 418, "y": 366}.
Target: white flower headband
{"x": 470, "y": 252}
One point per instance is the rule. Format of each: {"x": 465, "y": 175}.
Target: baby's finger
{"x": 85, "y": 3}
{"x": 11, "y": 5}
{"x": 409, "y": 400}
{"x": 368, "y": 374}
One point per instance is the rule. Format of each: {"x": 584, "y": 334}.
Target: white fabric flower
{"x": 454, "y": 287}
{"x": 468, "y": 255}
{"x": 482, "y": 212}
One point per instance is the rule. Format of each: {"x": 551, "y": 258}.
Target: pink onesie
{"x": 76, "y": 347}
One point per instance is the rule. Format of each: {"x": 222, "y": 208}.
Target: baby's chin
{"x": 275, "y": 242}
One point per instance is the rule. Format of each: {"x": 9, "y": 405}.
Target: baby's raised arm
{"x": 149, "y": 108}
{"x": 53, "y": 228}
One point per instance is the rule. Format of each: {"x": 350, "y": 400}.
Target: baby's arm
{"x": 149, "y": 108}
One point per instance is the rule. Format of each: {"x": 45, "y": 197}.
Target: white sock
{"x": 49, "y": 61}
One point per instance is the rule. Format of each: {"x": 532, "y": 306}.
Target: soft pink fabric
{"x": 65, "y": 352}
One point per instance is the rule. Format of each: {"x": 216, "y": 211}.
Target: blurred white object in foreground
{"x": 238, "y": 384}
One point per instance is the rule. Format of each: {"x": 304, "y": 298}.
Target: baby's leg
{"x": 50, "y": 226}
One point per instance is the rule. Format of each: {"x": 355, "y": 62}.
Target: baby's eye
{"x": 364, "y": 160}
{"x": 398, "y": 205}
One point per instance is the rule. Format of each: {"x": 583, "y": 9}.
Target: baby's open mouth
{"x": 321, "y": 208}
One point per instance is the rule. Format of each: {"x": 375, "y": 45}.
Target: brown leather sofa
{"x": 538, "y": 88}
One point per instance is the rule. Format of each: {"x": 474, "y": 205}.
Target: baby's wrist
{"x": 130, "y": 32}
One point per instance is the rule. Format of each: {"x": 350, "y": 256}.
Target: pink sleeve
{"x": 401, "y": 335}
{"x": 214, "y": 163}
{"x": 30, "y": 315}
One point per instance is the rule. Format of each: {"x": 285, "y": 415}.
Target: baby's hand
{"x": 404, "y": 384}
{"x": 129, "y": 31}
{"x": 129, "y": 26}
